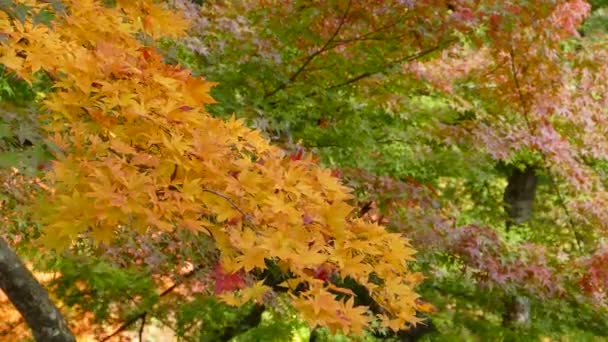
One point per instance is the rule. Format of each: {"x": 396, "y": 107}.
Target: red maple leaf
{"x": 226, "y": 281}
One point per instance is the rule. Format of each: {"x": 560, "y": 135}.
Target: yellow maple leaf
{"x": 336, "y": 214}
{"x": 10, "y": 59}
{"x": 121, "y": 147}
{"x": 196, "y": 92}
{"x": 255, "y": 293}
{"x": 252, "y": 258}
{"x": 231, "y": 298}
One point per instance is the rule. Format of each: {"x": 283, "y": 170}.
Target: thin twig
{"x": 311, "y": 57}
{"x": 562, "y": 204}
{"x": 246, "y": 216}
{"x": 383, "y": 68}
{"x": 392, "y": 63}
{"x": 367, "y": 35}
{"x": 141, "y": 327}
{"x": 144, "y": 313}
{"x": 520, "y": 94}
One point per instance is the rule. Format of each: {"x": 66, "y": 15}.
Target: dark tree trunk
{"x": 519, "y": 195}
{"x": 31, "y": 299}
{"x": 517, "y": 311}
{"x": 314, "y": 335}
{"x": 518, "y": 203}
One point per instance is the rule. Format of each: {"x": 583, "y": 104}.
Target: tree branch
{"x": 141, "y": 328}
{"x": 383, "y": 68}
{"x": 392, "y": 63}
{"x": 141, "y": 316}
{"x": 31, "y": 299}
{"x": 246, "y": 216}
{"x": 311, "y": 57}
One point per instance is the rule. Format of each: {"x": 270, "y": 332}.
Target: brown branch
{"x": 520, "y": 94}
{"x": 365, "y": 208}
{"x": 141, "y": 316}
{"x": 364, "y": 38}
{"x": 141, "y": 328}
{"x": 311, "y": 57}
{"x": 252, "y": 319}
{"x": 369, "y": 35}
{"x": 405, "y": 59}
{"x": 246, "y": 216}
{"x": 392, "y": 63}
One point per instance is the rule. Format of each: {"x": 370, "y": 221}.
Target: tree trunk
{"x": 517, "y": 311}
{"x": 31, "y": 299}
{"x": 518, "y": 203}
{"x": 519, "y": 196}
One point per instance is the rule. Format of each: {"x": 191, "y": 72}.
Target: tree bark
{"x": 31, "y": 299}
{"x": 517, "y": 311}
{"x": 518, "y": 201}
{"x": 519, "y": 196}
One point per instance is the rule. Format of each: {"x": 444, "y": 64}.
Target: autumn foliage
{"x": 324, "y": 143}
{"x": 136, "y": 150}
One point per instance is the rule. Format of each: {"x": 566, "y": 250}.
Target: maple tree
{"x": 136, "y": 149}
{"x": 448, "y": 119}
